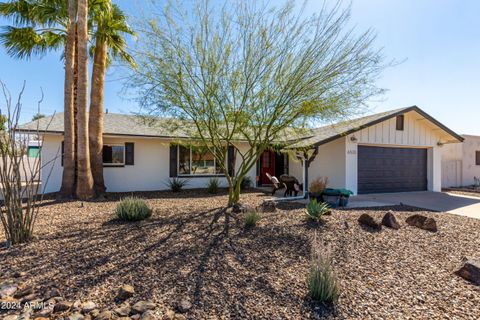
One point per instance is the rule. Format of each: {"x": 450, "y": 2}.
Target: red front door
{"x": 267, "y": 164}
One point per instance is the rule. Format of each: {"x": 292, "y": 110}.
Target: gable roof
{"x": 332, "y": 132}
{"x": 140, "y": 126}
{"x": 117, "y": 124}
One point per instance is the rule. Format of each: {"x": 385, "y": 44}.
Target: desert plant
{"x": 19, "y": 175}
{"x": 318, "y": 185}
{"x": 321, "y": 280}
{"x": 316, "y": 210}
{"x": 213, "y": 185}
{"x": 176, "y": 184}
{"x": 133, "y": 209}
{"x": 251, "y": 219}
{"x": 246, "y": 183}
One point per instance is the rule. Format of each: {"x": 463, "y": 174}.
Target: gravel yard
{"x": 259, "y": 273}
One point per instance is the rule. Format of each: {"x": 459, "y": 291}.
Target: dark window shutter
{"x": 477, "y": 158}
{"x": 62, "y": 152}
{"x": 129, "y": 153}
{"x": 173, "y": 160}
{"x": 231, "y": 161}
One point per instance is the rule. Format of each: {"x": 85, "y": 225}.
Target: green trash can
{"x": 332, "y": 197}
{"x": 344, "y": 196}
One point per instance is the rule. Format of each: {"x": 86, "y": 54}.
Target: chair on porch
{"x": 276, "y": 184}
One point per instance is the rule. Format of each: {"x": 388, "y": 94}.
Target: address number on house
{"x": 351, "y": 151}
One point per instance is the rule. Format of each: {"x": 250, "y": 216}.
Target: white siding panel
{"x": 416, "y": 133}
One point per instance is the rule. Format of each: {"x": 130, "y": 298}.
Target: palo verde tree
{"x": 249, "y": 72}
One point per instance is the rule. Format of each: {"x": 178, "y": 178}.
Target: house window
{"x": 400, "y": 122}
{"x": 114, "y": 155}
{"x": 477, "y": 158}
{"x": 33, "y": 151}
{"x": 196, "y": 161}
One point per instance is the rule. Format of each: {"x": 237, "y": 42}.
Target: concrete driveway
{"x": 436, "y": 201}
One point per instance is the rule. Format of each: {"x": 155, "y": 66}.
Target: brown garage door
{"x": 391, "y": 169}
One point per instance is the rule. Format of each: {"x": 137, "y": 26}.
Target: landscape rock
{"x": 88, "y": 306}
{"x": 126, "y": 291}
{"x": 52, "y": 293}
{"x": 45, "y": 312}
{"x": 7, "y": 290}
{"x": 123, "y": 311}
{"x": 390, "y": 221}
{"x": 367, "y": 220}
{"x": 422, "y": 222}
{"x": 267, "y": 206}
{"x": 241, "y": 208}
{"x": 184, "y": 306}
{"x": 62, "y": 306}
{"x": 28, "y": 298}
{"x": 430, "y": 225}
{"x": 470, "y": 270}
{"x": 22, "y": 293}
{"x": 142, "y": 306}
{"x": 104, "y": 315}
{"x": 76, "y": 316}
{"x": 148, "y": 315}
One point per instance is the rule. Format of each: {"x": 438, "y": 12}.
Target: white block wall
{"x": 149, "y": 173}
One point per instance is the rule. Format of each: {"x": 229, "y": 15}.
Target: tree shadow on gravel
{"x": 175, "y": 254}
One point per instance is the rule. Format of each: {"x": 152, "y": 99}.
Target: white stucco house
{"x": 394, "y": 151}
{"x": 461, "y": 162}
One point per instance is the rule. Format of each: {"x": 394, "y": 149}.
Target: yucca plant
{"x": 176, "y": 184}
{"x": 251, "y": 219}
{"x": 321, "y": 279}
{"x": 316, "y": 210}
{"x": 133, "y": 209}
{"x": 213, "y": 185}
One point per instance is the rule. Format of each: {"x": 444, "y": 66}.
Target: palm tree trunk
{"x": 84, "y": 180}
{"x": 68, "y": 178}
{"x": 96, "y": 115}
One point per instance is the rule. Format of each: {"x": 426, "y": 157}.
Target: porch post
{"x": 305, "y": 176}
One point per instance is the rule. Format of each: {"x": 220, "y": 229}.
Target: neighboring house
{"x": 392, "y": 151}
{"x": 461, "y": 162}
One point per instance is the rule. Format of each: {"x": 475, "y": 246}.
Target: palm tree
{"x": 84, "y": 188}
{"x": 109, "y": 44}
{"x": 68, "y": 177}
{"x": 42, "y": 26}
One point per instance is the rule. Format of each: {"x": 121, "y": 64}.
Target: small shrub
{"x": 177, "y": 184}
{"x": 321, "y": 280}
{"x": 318, "y": 185}
{"x": 246, "y": 183}
{"x": 133, "y": 209}
{"x": 251, "y": 219}
{"x": 213, "y": 185}
{"x": 315, "y": 210}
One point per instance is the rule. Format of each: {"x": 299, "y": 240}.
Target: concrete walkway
{"x": 437, "y": 201}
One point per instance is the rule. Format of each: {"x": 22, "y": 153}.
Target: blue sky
{"x": 437, "y": 40}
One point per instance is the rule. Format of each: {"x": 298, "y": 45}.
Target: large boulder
{"x": 390, "y": 221}
{"x": 470, "y": 270}
{"x": 422, "y": 222}
{"x": 368, "y": 221}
